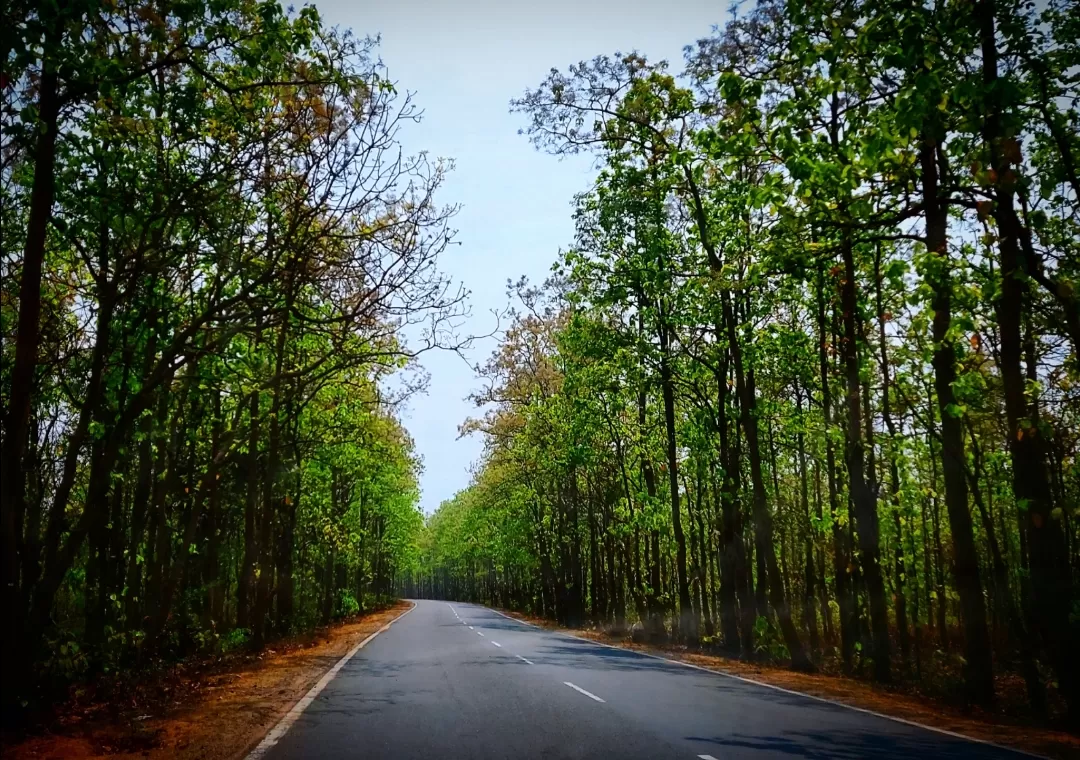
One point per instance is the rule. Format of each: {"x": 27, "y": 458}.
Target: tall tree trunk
{"x": 27, "y": 337}
{"x": 978, "y": 666}
{"x": 286, "y": 543}
{"x": 246, "y": 581}
{"x": 215, "y": 586}
{"x": 862, "y": 498}
{"x": 688, "y": 621}
{"x": 841, "y": 550}
{"x": 939, "y": 554}
{"x": 900, "y": 568}
{"x": 60, "y": 553}
{"x": 810, "y": 572}
{"x": 1019, "y": 637}
{"x": 763, "y": 526}
{"x": 1051, "y": 576}
{"x": 97, "y": 535}
{"x": 140, "y": 501}
{"x": 702, "y": 562}
{"x": 271, "y": 489}
{"x": 732, "y": 554}
{"x": 822, "y": 587}
{"x": 655, "y": 625}
{"x": 594, "y": 571}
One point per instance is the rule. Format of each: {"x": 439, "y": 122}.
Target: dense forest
{"x": 804, "y": 387}
{"x": 213, "y": 246}
{"x": 805, "y": 384}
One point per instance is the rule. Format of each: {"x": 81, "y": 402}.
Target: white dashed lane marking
{"x": 588, "y": 694}
{"x": 497, "y": 644}
{"x": 524, "y": 660}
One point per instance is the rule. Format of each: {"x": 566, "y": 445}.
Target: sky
{"x": 465, "y": 61}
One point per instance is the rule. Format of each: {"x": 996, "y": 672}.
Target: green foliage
{"x": 827, "y": 281}
{"x": 213, "y": 455}
{"x": 347, "y": 606}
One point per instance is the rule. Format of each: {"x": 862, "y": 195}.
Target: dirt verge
{"x": 918, "y": 708}
{"x": 216, "y": 713}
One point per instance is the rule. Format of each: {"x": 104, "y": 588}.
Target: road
{"x": 453, "y": 681}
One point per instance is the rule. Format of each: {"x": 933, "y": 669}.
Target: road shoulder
{"x": 218, "y": 714}
{"x": 854, "y": 693}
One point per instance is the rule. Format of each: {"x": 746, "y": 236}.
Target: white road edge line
{"x": 290, "y": 717}
{"x": 893, "y": 718}
{"x": 497, "y": 644}
{"x": 516, "y": 620}
{"x": 523, "y": 659}
{"x": 586, "y": 693}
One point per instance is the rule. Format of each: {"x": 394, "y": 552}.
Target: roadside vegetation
{"x": 212, "y": 249}
{"x": 804, "y": 387}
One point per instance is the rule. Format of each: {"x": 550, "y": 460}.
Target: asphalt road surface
{"x": 453, "y": 681}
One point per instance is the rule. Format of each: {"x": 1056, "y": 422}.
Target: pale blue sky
{"x": 465, "y": 60}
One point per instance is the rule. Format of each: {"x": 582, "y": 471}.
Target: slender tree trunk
{"x": 1019, "y": 636}
{"x": 978, "y": 666}
{"x": 822, "y": 587}
{"x": 841, "y": 552}
{"x": 810, "y": 573}
{"x": 763, "y": 526}
{"x": 596, "y": 614}
{"x": 214, "y": 583}
{"x": 900, "y": 567}
{"x": 655, "y": 624}
{"x": 732, "y": 556}
{"x": 27, "y": 337}
{"x": 143, "y": 484}
{"x": 60, "y": 553}
{"x": 701, "y": 562}
{"x": 939, "y": 554}
{"x": 286, "y": 581}
{"x": 94, "y": 588}
{"x": 1051, "y": 576}
{"x": 861, "y": 496}
{"x": 245, "y": 586}
{"x": 271, "y": 490}
{"x": 688, "y": 621}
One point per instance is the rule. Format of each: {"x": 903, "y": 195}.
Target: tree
{"x": 211, "y": 247}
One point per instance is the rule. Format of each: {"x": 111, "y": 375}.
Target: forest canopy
{"x": 804, "y": 386}
{"x": 213, "y": 247}
{"x": 805, "y": 383}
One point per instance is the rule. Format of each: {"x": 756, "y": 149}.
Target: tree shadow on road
{"x": 856, "y": 745}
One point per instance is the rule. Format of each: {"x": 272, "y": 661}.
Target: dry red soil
{"x": 216, "y": 714}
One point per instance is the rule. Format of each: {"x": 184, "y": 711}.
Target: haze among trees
{"x": 805, "y": 384}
